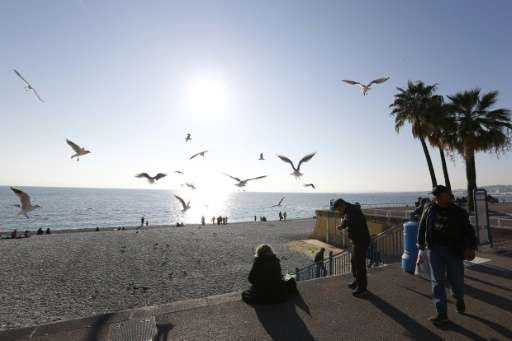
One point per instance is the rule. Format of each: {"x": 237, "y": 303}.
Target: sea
{"x": 79, "y": 208}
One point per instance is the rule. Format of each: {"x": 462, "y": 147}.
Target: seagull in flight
{"x": 79, "y": 151}
{"x": 198, "y": 154}
{"x": 279, "y": 203}
{"x": 25, "y": 204}
{"x": 189, "y": 185}
{"x": 296, "y": 171}
{"x": 242, "y": 183}
{"x": 151, "y": 179}
{"x": 261, "y": 157}
{"x": 366, "y": 87}
{"x": 186, "y": 206}
{"x": 310, "y": 185}
{"x": 28, "y": 86}
{"x": 188, "y": 138}
{"x": 178, "y": 172}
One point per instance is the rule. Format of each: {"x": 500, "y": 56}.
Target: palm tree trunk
{"x": 429, "y": 162}
{"x": 445, "y": 169}
{"x": 470, "y": 176}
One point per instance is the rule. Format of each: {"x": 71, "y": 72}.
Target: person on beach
{"x": 267, "y": 283}
{"x": 203, "y": 220}
{"x": 147, "y": 223}
{"x": 39, "y": 231}
{"x": 280, "y": 216}
{"x": 354, "y": 221}
{"x": 48, "y": 231}
{"x": 319, "y": 261}
{"x": 445, "y": 230}
{"x": 255, "y": 219}
{"x": 142, "y": 222}
{"x": 213, "y": 220}
{"x": 219, "y": 220}
{"x": 284, "y": 215}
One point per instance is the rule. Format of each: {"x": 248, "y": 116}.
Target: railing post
{"x": 330, "y": 263}
{"x": 297, "y": 274}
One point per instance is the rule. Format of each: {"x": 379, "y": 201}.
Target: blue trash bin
{"x": 410, "y": 248}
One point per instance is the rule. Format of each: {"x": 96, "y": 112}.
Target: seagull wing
{"x": 232, "y": 177}
{"x": 193, "y": 156}
{"x": 181, "y": 201}
{"x": 73, "y": 145}
{"x": 281, "y": 201}
{"x": 23, "y": 197}
{"x": 256, "y": 178}
{"x": 285, "y": 159}
{"x": 37, "y": 95}
{"x": 143, "y": 175}
{"x": 21, "y": 77}
{"x": 378, "y": 81}
{"x": 351, "y": 82}
{"x": 159, "y": 176}
{"x": 306, "y": 159}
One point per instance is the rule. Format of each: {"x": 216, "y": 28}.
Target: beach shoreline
{"x": 76, "y": 273}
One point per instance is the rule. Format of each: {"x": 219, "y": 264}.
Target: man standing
{"x": 354, "y": 220}
{"x": 447, "y": 233}
{"x": 319, "y": 261}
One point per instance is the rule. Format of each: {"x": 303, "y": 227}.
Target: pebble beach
{"x": 70, "y": 275}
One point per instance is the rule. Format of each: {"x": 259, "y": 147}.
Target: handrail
{"x": 380, "y": 249}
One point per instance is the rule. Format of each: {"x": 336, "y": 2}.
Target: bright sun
{"x": 207, "y": 96}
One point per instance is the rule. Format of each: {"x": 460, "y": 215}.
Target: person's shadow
{"x": 282, "y": 322}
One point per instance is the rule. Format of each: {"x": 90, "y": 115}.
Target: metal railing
{"x": 385, "y": 248}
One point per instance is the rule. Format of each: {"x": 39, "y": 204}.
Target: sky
{"x": 128, "y": 80}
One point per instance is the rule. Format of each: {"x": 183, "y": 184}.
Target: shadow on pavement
{"x": 282, "y": 321}
{"x": 453, "y": 327}
{"x": 492, "y": 270}
{"x": 489, "y": 298}
{"x": 493, "y": 325}
{"x": 488, "y": 283}
{"x": 416, "y": 330}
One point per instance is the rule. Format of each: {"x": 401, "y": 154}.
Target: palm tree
{"x": 478, "y": 128}
{"x": 415, "y": 105}
{"x": 441, "y": 126}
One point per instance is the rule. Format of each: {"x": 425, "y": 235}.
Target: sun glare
{"x": 207, "y": 96}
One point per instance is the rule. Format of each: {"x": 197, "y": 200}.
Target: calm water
{"x": 64, "y": 208}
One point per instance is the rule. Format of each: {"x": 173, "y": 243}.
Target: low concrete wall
{"x": 327, "y": 220}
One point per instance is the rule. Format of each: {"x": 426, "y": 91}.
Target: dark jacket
{"x": 460, "y": 234}
{"x": 267, "y": 282}
{"x": 355, "y": 221}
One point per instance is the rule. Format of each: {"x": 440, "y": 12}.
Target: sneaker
{"x": 460, "y": 306}
{"x": 359, "y": 292}
{"x": 353, "y": 285}
{"x": 439, "y": 319}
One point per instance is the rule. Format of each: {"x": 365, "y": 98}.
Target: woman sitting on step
{"x": 267, "y": 283}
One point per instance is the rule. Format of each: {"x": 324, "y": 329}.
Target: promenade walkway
{"x": 396, "y": 308}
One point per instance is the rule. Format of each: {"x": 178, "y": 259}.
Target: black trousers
{"x": 359, "y": 252}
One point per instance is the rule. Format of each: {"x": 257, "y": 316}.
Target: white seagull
{"x": 197, "y": 154}
{"x": 261, "y": 157}
{"x": 296, "y": 171}
{"x": 188, "y": 138}
{"x": 178, "y": 172}
{"x": 366, "y": 87}
{"x": 79, "y": 151}
{"x": 242, "y": 183}
{"x": 151, "y": 179}
{"x": 186, "y": 206}
{"x": 28, "y": 86}
{"x": 310, "y": 185}
{"x": 279, "y": 203}
{"x": 25, "y": 204}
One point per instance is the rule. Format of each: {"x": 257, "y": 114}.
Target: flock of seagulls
{"x": 26, "y": 206}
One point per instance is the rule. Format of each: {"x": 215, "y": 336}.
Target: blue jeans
{"x": 445, "y": 264}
